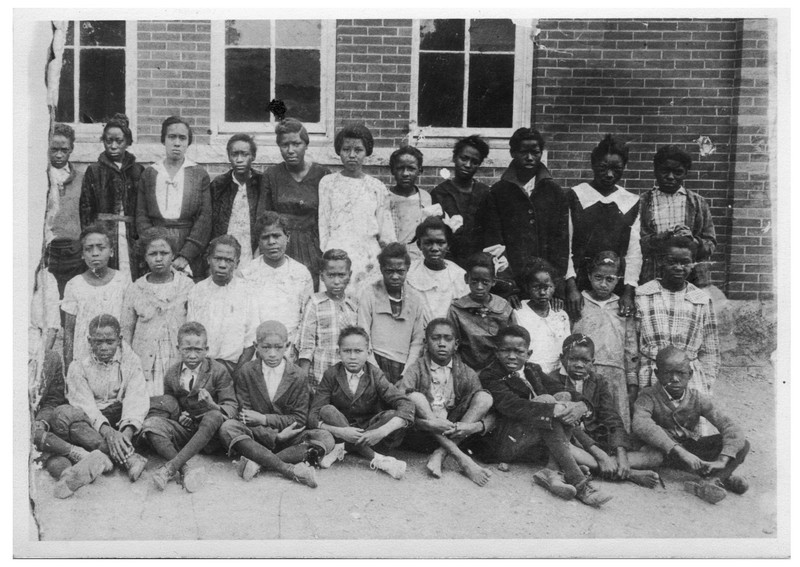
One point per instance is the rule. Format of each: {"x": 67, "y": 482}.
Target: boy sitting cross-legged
{"x": 450, "y": 404}
{"x": 359, "y": 406}
{"x": 665, "y": 417}
{"x": 200, "y": 390}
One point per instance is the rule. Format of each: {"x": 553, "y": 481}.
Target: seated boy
{"x": 439, "y": 281}
{"x": 360, "y": 407}
{"x": 223, "y": 304}
{"x": 280, "y": 285}
{"x": 201, "y": 391}
{"x": 665, "y": 416}
{"x": 393, "y": 315}
{"x": 529, "y": 419}
{"x": 450, "y": 404}
{"x": 603, "y": 432}
{"x": 273, "y": 406}
{"x": 107, "y": 398}
{"x": 325, "y": 315}
{"x": 479, "y": 315}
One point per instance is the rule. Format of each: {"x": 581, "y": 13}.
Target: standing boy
{"x": 200, "y": 390}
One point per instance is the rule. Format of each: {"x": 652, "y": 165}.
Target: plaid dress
{"x": 684, "y": 319}
{"x": 318, "y": 339}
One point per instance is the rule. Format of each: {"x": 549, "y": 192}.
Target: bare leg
{"x": 640, "y": 462}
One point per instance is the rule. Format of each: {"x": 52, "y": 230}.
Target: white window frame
{"x": 91, "y": 132}
{"x": 219, "y": 126}
{"x": 523, "y": 87}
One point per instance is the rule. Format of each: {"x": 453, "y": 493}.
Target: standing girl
{"x": 109, "y": 194}
{"x": 406, "y": 201}
{"x": 353, "y": 208}
{"x": 614, "y": 336}
{"x": 174, "y": 193}
{"x": 291, "y": 188}
{"x": 98, "y": 290}
{"x": 154, "y": 308}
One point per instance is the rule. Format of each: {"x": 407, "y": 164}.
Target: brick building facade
{"x": 651, "y": 82}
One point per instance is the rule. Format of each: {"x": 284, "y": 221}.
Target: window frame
{"x": 220, "y": 127}
{"x": 523, "y": 86}
{"x": 92, "y": 132}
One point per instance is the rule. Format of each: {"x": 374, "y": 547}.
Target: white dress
{"x": 86, "y": 302}
{"x": 354, "y": 216}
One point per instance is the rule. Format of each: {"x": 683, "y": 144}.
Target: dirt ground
{"x": 354, "y": 502}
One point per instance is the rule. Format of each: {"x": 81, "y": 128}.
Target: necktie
{"x": 191, "y": 382}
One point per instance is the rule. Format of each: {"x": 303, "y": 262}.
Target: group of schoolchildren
{"x": 502, "y": 324}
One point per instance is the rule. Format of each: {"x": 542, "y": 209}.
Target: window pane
{"x": 66, "y": 93}
{"x": 491, "y": 35}
{"x": 247, "y": 91}
{"x": 254, "y": 33}
{"x": 441, "y": 35}
{"x": 298, "y": 33}
{"x": 102, "y": 84}
{"x": 441, "y": 88}
{"x": 103, "y": 33}
{"x": 297, "y": 83}
{"x": 71, "y": 33}
{"x": 491, "y": 91}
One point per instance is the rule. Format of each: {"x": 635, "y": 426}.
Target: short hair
{"x": 672, "y": 152}
{"x": 474, "y": 141}
{"x": 93, "y": 229}
{"x": 270, "y": 218}
{"x": 605, "y": 258}
{"x": 104, "y": 320}
{"x": 513, "y": 331}
{"x": 577, "y": 339}
{"x": 668, "y": 352}
{"x": 358, "y": 131}
{"x": 241, "y": 137}
{"x": 677, "y": 242}
{"x": 480, "y": 260}
{"x": 333, "y": 255}
{"x": 175, "y": 120}
{"x": 394, "y": 250}
{"x": 537, "y": 266}
{"x": 153, "y": 234}
{"x": 431, "y": 223}
{"x": 226, "y": 240}
{"x": 522, "y": 134}
{"x": 610, "y": 145}
{"x": 353, "y": 330}
{"x": 272, "y": 328}
{"x": 441, "y": 321}
{"x": 405, "y": 151}
{"x": 120, "y": 121}
{"x": 291, "y": 126}
{"x": 66, "y": 131}
{"x": 192, "y": 328}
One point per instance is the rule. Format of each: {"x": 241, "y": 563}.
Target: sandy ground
{"x": 354, "y": 502}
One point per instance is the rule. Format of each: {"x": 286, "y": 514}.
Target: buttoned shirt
{"x": 669, "y": 209}
{"x": 273, "y": 377}
{"x": 239, "y": 223}
{"x": 354, "y": 379}
{"x": 438, "y": 287}
{"x": 442, "y": 388}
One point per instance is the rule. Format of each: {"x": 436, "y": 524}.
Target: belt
{"x": 173, "y": 223}
{"x": 113, "y": 217}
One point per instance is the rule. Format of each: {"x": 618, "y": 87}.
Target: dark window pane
{"x": 66, "y": 88}
{"x": 441, "y": 89}
{"x": 297, "y": 82}
{"x": 71, "y": 33}
{"x": 250, "y": 33}
{"x": 247, "y": 85}
{"x": 491, "y": 91}
{"x": 491, "y": 35}
{"x": 441, "y": 35}
{"x": 298, "y": 33}
{"x": 102, "y": 84}
{"x": 103, "y": 33}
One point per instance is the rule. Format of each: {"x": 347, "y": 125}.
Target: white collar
{"x": 161, "y": 168}
{"x": 613, "y": 297}
{"x": 588, "y": 196}
{"x": 681, "y": 191}
{"x": 434, "y": 366}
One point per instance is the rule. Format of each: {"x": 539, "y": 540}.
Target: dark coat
{"x": 468, "y": 239}
{"x": 291, "y": 398}
{"x": 212, "y": 376}
{"x": 223, "y": 192}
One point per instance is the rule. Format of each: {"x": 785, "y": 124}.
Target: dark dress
{"x": 298, "y": 202}
{"x": 468, "y": 239}
{"x": 108, "y": 197}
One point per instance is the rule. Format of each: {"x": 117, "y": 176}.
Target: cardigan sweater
{"x": 223, "y": 192}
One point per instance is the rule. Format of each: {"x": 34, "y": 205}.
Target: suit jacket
{"x": 513, "y": 396}
{"x": 212, "y": 376}
{"x": 605, "y": 420}
{"x": 291, "y": 398}
{"x": 374, "y": 394}
{"x": 223, "y": 191}
{"x": 417, "y": 378}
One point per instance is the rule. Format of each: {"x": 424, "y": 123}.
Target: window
{"x": 256, "y": 61}
{"x": 472, "y": 75}
{"x": 95, "y": 73}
